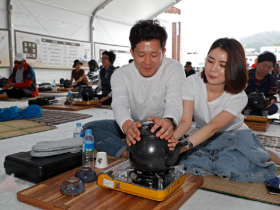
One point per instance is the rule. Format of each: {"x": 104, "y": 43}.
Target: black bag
{"x": 48, "y": 100}
{"x": 45, "y": 87}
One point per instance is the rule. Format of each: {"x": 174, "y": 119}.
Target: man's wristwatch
{"x": 172, "y": 121}
{"x": 190, "y": 144}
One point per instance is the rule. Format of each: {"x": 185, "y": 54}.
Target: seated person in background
{"x": 104, "y": 77}
{"x": 254, "y": 64}
{"x": 130, "y": 60}
{"x": 188, "y": 69}
{"x": 22, "y": 80}
{"x": 261, "y": 80}
{"x": 276, "y": 71}
{"x": 79, "y": 75}
{"x": 149, "y": 89}
{"x": 223, "y": 145}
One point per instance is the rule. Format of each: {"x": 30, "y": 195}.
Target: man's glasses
{"x": 18, "y": 62}
{"x": 104, "y": 58}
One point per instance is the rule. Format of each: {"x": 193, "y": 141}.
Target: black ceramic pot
{"x": 257, "y": 101}
{"x": 151, "y": 154}
{"x": 61, "y": 81}
{"x": 87, "y": 93}
{"x": 66, "y": 83}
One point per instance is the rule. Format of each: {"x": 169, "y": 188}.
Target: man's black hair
{"x": 130, "y": 60}
{"x": 189, "y": 63}
{"x": 267, "y": 56}
{"x": 112, "y": 56}
{"x": 145, "y": 30}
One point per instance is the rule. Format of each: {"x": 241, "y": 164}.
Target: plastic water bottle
{"x": 78, "y": 131}
{"x": 88, "y": 149}
{"x": 53, "y": 86}
{"x": 70, "y": 96}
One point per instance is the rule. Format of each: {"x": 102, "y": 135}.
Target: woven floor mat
{"x": 58, "y": 117}
{"x": 14, "y": 128}
{"x": 251, "y": 191}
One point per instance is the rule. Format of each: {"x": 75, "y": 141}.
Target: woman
{"x": 223, "y": 145}
{"x": 104, "y": 77}
{"x": 79, "y": 75}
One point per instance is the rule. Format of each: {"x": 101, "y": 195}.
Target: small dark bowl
{"x": 86, "y": 174}
{"x": 72, "y": 186}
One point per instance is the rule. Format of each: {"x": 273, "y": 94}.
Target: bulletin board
{"x": 122, "y": 53}
{"x": 51, "y": 52}
{"x": 4, "y": 49}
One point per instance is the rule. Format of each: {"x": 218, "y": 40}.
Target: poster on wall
{"x": 50, "y": 52}
{"x": 4, "y": 49}
{"x": 122, "y": 53}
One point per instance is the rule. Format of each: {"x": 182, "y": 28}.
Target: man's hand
{"x": 104, "y": 99}
{"x": 8, "y": 85}
{"x": 273, "y": 101}
{"x": 132, "y": 131}
{"x": 166, "y": 130}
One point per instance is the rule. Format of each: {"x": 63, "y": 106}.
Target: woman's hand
{"x": 172, "y": 142}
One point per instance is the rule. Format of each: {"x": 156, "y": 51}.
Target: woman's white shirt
{"x": 194, "y": 89}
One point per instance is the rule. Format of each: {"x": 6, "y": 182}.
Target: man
{"x": 261, "y": 80}
{"x": 147, "y": 90}
{"x": 276, "y": 71}
{"x": 188, "y": 69}
{"x": 22, "y": 80}
{"x": 130, "y": 60}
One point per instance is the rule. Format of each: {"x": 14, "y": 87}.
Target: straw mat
{"x": 251, "y": 191}
{"x": 58, "y": 117}
{"x": 14, "y": 128}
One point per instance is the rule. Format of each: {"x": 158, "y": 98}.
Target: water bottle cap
{"x": 88, "y": 131}
{"x": 79, "y": 124}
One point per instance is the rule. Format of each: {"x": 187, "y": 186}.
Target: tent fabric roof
{"x": 49, "y": 16}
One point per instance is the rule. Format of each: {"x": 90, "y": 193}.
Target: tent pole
{"x": 91, "y": 28}
{"x": 10, "y": 32}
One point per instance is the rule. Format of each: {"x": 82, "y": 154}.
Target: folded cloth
{"x": 14, "y": 113}
{"x": 56, "y": 152}
{"x": 63, "y": 144}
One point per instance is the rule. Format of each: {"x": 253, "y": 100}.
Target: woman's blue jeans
{"x": 233, "y": 155}
{"x": 108, "y": 137}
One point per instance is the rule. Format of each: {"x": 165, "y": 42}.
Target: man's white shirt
{"x": 137, "y": 98}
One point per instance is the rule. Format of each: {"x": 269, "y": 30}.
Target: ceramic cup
{"x": 101, "y": 160}
{"x": 72, "y": 186}
{"x": 86, "y": 174}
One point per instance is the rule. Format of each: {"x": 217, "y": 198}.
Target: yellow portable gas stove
{"x": 158, "y": 186}
{"x": 256, "y": 116}
{"x": 84, "y": 103}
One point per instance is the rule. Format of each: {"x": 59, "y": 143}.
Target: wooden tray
{"x": 3, "y": 96}
{"x": 258, "y": 126}
{"x": 65, "y": 89}
{"x": 69, "y": 107}
{"x": 46, "y": 195}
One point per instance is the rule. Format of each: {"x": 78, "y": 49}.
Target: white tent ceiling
{"x": 71, "y": 19}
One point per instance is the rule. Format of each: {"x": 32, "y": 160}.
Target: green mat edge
{"x": 53, "y": 127}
